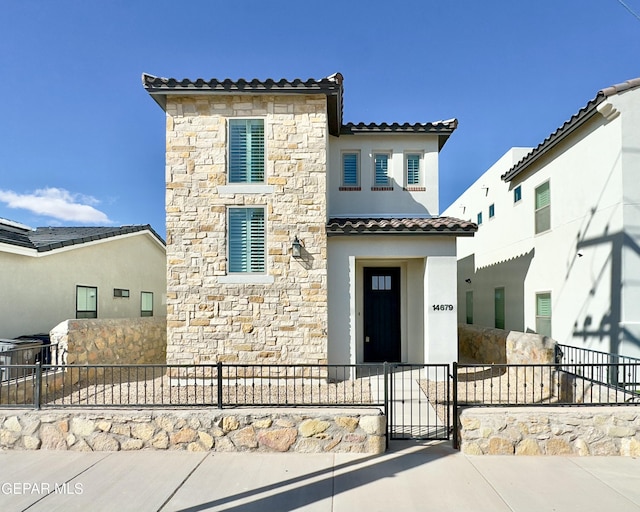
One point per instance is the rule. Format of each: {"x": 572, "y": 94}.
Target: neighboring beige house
{"x": 53, "y": 274}
{"x": 295, "y": 238}
{"x": 558, "y": 247}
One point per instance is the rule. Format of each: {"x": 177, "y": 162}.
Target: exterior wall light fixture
{"x": 296, "y": 248}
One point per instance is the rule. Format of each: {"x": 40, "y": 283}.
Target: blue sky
{"x": 81, "y": 143}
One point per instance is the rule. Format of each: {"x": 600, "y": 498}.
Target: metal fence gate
{"x": 418, "y": 404}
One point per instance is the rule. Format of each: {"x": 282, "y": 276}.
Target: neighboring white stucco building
{"x": 558, "y": 247}
{"x": 53, "y": 274}
{"x": 258, "y": 171}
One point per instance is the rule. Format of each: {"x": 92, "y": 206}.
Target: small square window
{"x": 413, "y": 177}
{"x": 351, "y": 170}
{"x": 86, "y": 302}
{"x": 492, "y": 211}
{"x": 146, "y": 304}
{"x": 517, "y": 194}
{"x": 381, "y": 163}
{"x": 479, "y": 218}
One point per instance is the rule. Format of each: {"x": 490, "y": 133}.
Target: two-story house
{"x": 295, "y": 238}
{"x": 558, "y": 244}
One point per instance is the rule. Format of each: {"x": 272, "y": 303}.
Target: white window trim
{"x": 228, "y": 156}
{"x": 246, "y": 279}
{"x": 389, "y": 185}
{"x": 421, "y": 170}
{"x": 343, "y": 185}
{"x": 248, "y": 188}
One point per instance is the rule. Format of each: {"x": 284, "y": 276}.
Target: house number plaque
{"x": 443, "y": 307}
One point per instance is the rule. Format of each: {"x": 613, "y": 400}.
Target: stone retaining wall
{"x": 112, "y": 341}
{"x": 497, "y": 346}
{"x": 347, "y": 430}
{"x": 581, "y": 431}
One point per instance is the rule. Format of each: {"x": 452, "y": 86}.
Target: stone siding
{"x": 357, "y": 431}
{"x": 551, "y": 431}
{"x": 497, "y": 346}
{"x": 111, "y": 341}
{"x": 210, "y": 319}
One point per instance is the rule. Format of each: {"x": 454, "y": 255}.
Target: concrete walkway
{"x": 410, "y": 477}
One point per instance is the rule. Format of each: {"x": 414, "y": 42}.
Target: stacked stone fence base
{"x": 340, "y": 431}
{"x": 574, "y": 431}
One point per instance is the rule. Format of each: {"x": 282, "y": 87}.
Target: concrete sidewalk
{"x": 409, "y": 477}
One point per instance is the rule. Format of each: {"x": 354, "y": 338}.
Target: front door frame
{"x": 386, "y": 293}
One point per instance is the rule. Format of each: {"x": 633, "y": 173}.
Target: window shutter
{"x": 350, "y": 169}
{"x": 246, "y": 240}
{"x": 246, "y": 151}
{"x": 382, "y": 165}
{"x": 413, "y": 169}
{"x": 543, "y": 304}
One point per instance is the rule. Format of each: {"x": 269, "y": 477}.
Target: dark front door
{"x": 381, "y": 314}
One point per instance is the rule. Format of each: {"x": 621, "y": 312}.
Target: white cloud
{"x": 57, "y": 203}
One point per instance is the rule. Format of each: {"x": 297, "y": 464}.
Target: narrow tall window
{"x": 479, "y": 218}
{"x": 246, "y": 151}
{"x": 517, "y": 194}
{"x": 498, "y": 302}
{"x": 492, "y": 211}
{"x": 413, "y": 170}
{"x": 543, "y": 314}
{"x": 543, "y": 208}
{"x": 246, "y": 240}
{"x": 469, "y": 308}
{"x": 86, "y": 302}
{"x": 350, "y": 170}
{"x": 381, "y": 161}
{"x": 146, "y": 303}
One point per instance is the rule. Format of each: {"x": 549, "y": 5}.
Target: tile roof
{"x": 433, "y": 226}
{"x": 330, "y": 86}
{"x": 442, "y": 128}
{"x": 585, "y": 113}
{"x": 50, "y": 238}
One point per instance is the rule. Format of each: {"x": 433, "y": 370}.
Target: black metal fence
{"x": 624, "y": 370}
{"x": 544, "y": 384}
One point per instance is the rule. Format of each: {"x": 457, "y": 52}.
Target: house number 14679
{"x": 443, "y": 307}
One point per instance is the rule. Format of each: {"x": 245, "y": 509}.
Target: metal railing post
{"x": 219, "y": 378}
{"x": 456, "y": 444}
{"x": 387, "y": 408}
{"x": 37, "y": 391}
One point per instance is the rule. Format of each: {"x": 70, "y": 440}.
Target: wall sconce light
{"x": 579, "y": 255}
{"x": 467, "y": 280}
{"x": 296, "y": 248}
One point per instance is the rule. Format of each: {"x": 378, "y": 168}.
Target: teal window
{"x": 246, "y": 240}
{"x": 492, "y": 211}
{"x": 498, "y": 301}
{"x": 469, "y": 308}
{"x": 543, "y": 208}
{"x": 543, "y": 314}
{"x": 517, "y": 194}
{"x": 413, "y": 170}
{"x": 86, "y": 302}
{"x": 246, "y": 151}
{"x": 381, "y": 162}
{"x": 350, "y": 170}
{"x": 146, "y": 303}
{"x": 479, "y": 218}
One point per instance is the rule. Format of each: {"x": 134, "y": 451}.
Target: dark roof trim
{"x": 577, "y": 120}
{"x": 442, "y": 128}
{"x": 49, "y": 239}
{"x": 405, "y": 226}
{"x": 331, "y": 86}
